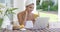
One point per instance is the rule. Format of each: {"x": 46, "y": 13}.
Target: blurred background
{"x": 48, "y": 8}
{"x": 43, "y": 8}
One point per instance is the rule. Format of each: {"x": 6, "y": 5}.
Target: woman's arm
{"x": 20, "y": 19}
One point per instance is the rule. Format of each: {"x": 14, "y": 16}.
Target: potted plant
{"x": 9, "y": 12}
{"x": 1, "y": 12}
{"x": 1, "y": 7}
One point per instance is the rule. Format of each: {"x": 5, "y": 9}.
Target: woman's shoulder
{"x": 21, "y": 13}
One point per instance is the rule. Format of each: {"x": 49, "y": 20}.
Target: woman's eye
{"x": 30, "y": 7}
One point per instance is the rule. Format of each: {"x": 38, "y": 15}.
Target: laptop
{"x": 41, "y": 22}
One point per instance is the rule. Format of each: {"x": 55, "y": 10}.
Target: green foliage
{"x": 2, "y": 6}
{"x": 0, "y": 11}
{"x": 45, "y": 4}
{"x": 1, "y": 20}
{"x": 51, "y": 3}
{"x": 39, "y": 7}
{"x": 38, "y": 1}
{"x": 54, "y": 8}
{"x": 10, "y": 11}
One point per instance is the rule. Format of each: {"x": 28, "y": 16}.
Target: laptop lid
{"x": 41, "y": 22}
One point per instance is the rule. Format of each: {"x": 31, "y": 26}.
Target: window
{"x": 8, "y": 3}
{"x": 2, "y": 1}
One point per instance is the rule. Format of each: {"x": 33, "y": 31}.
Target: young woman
{"x": 26, "y": 17}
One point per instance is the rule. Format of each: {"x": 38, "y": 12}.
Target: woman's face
{"x": 30, "y": 8}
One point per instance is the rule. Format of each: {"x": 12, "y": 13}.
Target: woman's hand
{"x": 29, "y": 17}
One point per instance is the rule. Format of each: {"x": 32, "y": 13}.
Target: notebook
{"x": 41, "y": 22}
